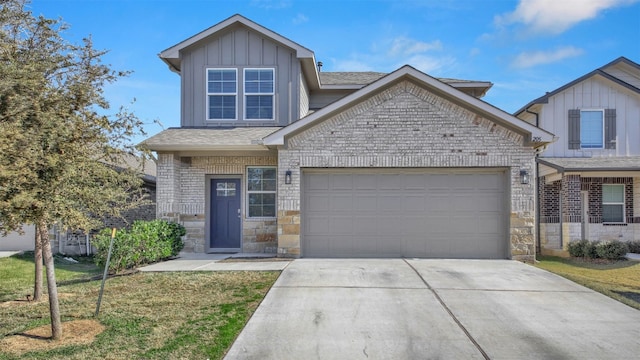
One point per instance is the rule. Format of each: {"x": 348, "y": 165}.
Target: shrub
{"x": 144, "y": 243}
{"x": 612, "y": 250}
{"x": 577, "y": 248}
{"x": 634, "y": 247}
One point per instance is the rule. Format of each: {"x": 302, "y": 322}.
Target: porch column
{"x": 636, "y": 200}
{"x": 168, "y": 187}
{"x": 571, "y": 209}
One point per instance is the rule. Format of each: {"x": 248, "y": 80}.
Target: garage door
{"x": 405, "y": 213}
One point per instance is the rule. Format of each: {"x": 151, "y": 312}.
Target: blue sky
{"x": 524, "y": 47}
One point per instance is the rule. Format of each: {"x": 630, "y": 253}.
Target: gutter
{"x": 536, "y": 189}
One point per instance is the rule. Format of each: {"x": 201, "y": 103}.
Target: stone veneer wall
{"x": 182, "y": 197}
{"x": 406, "y": 126}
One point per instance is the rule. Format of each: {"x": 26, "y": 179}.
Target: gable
{"x": 531, "y": 135}
{"x": 405, "y": 119}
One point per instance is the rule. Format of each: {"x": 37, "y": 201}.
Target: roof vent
{"x": 319, "y": 66}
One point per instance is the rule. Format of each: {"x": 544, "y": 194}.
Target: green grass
{"x": 619, "y": 280}
{"x": 17, "y": 274}
{"x": 188, "y": 315}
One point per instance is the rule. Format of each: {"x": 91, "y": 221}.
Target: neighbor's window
{"x": 259, "y": 94}
{"x": 222, "y": 91}
{"x": 591, "y": 129}
{"x": 613, "y": 203}
{"x": 261, "y": 191}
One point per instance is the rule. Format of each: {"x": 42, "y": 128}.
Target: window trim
{"x": 602, "y": 122}
{"x": 208, "y": 94}
{"x": 248, "y": 192}
{"x": 245, "y": 94}
{"x": 623, "y": 204}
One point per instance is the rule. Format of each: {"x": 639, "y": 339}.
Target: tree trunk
{"x": 52, "y": 287}
{"x": 37, "y": 258}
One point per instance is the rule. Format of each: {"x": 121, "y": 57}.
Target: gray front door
{"x": 225, "y": 215}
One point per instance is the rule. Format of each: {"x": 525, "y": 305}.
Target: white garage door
{"x": 405, "y": 213}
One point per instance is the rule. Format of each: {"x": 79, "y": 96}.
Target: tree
{"x": 59, "y": 146}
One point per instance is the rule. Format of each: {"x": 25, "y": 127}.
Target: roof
{"x": 629, "y": 163}
{"x": 601, "y": 71}
{"x": 434, "y": 85}
{"x": 356, "y": 80}
{"x": 203, "y": 139}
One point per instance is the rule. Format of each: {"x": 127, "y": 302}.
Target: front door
{"x": 225, "y": 215}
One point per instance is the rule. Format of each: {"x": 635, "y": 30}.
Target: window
{"x": 613, "y": 203}
{"x": 591, "y": 129}
{"x": 259, "y": 94}
{"x": 261, "y": 191}
{"x": 221, "y": 94}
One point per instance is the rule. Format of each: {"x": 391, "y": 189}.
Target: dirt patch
{"x": 253, "y": 259}
{"x": 28, "y": 300}
{"x": 73, "y": 333}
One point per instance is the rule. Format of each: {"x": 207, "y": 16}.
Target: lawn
{"x": 189, "y": 315}
{"x": 619, "y": 280}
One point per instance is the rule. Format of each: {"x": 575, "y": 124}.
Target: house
{"x": 589, "y": 180}
{"x": 275, "y": 155}
{"x": 70, "y": 242}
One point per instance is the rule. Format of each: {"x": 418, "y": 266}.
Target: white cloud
{"x": 402, "y": 46}
{"x": 556, "y": 16}
{"x": 430, "y": 64}
{"x": 534, "y": 58}
{"x": 300, "y": 19}
{"x": 271, "y": 4}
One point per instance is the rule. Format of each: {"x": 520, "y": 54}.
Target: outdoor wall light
{"x": 524, "y": 176}
{"x": 287, "y": 177}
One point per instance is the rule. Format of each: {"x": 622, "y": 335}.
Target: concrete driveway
{"x": 434, "y": 309}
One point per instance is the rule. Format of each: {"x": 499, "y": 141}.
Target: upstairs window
{"x": 222, "y": 91}
{"x": 591, "y": 129}
{"x": 613, "y": 203}
{"x": 259, "y": 94}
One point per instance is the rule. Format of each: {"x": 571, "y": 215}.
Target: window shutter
{"x": 574, "y": 129}
{"x": 609, "y": 128}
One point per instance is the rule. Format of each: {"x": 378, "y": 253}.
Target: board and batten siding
{"x": 238, "y": 48}
{"x": 593, "y": 94}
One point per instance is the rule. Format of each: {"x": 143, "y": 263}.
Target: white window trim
{"x": 624, "y": 215}
{"x": 603, "y": 130}
{"x": 206, "y": 90}
{"x": 245, "y": 94}
{"x": 275, "y": 192}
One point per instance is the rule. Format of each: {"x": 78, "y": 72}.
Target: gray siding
{"x": 593, "y": 94}
{"x": 239, "y": 48}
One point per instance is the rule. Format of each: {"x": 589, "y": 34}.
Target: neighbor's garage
{"x": 434, "y": 213}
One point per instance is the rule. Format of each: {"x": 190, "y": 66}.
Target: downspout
{"x": 536, "y": 190}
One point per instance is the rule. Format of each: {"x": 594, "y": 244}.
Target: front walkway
{"x": 220, "y": 262}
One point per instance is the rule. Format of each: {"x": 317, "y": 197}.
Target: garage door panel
{"x": 434, "y": 213}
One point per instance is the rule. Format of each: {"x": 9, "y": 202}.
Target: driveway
{"x": 434, "y": 309}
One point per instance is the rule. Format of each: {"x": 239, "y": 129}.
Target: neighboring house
{"x": 71, "y": 242}
{"x": 274, "y": 155}
{"x": 589, "y": 180}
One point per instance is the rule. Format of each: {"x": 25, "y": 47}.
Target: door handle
{"x": 239, "y": 213}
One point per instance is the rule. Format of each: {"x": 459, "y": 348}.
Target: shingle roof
{"x": 367, "y": 77}
{"x": 248, "y": 138}
{"x": 629, "y": 163}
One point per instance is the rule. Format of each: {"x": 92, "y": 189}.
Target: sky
{"x": 524, "y": 47}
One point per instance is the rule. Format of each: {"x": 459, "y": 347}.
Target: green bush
{"x": 578, "y": 248}
{"x": 634, "y": 247}
{"x": 612, "y": 250}
{"x": 144, "y": 243}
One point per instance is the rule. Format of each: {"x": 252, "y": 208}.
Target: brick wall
{"x": 405, "y": 126}
{"x": 182, "y": 197}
